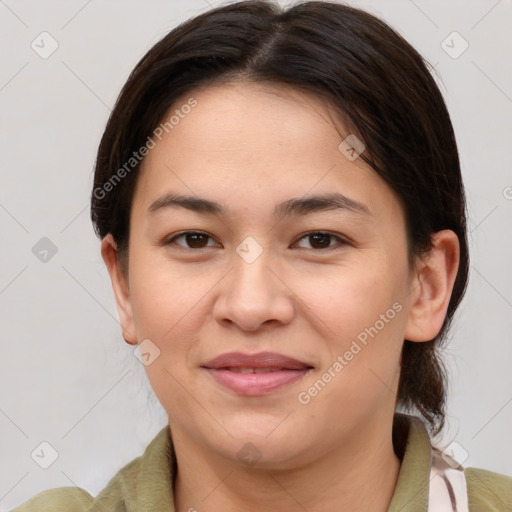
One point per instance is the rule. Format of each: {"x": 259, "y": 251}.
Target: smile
{"x": 256, "y": 374}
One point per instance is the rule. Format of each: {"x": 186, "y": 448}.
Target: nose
{"x": 254, "y": 295}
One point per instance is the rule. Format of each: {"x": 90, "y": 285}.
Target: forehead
{"x": 239, "y": 117}
{"x": 258, "y": 141}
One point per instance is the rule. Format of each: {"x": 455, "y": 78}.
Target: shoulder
{"x": 74, "y": 499}
{"x": 488, "y": 491}
{"x": 62, "y": 499}
{"x": 143, "y": 480}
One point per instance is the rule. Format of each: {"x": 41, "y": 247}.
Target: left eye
{"x": 321, "y": 240}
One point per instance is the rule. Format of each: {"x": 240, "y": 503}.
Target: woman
{"x": 280, "y": 204}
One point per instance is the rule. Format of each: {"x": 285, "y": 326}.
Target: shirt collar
{"x": 411, "y": 490}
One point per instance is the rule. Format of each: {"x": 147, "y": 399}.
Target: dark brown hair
{"x": 381, "y": 88}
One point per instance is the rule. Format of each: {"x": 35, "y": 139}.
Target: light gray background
{"x": 67, "y": 377}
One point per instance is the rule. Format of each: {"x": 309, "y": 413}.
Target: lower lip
{"x": 254, "y": 384}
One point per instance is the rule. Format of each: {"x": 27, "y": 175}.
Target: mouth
{"x": 251, "y": 370}
{"x": 256, "y": 374}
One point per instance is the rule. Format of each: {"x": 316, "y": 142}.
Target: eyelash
{"x": 341, "y": 241}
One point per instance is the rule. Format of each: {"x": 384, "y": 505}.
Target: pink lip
{"x": 226, "y": 369}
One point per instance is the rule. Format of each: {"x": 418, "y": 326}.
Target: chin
{"x": 260, "y": 444}
{"x": 276, "y": 455}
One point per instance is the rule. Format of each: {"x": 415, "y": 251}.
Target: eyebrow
{"x": 296, "y": 206}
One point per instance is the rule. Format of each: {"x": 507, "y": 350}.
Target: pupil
{"x": 194, "y": 240}
{"x": 319, "y": 238}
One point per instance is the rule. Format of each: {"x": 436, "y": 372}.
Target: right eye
{"x": 193, "y": 240}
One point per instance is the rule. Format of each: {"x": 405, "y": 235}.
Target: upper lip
{"x": 260, "y": 360}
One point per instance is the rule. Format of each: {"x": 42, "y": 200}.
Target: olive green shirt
{"x": 145, "y": 484}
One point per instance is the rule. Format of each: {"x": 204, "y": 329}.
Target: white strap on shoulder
{"x": 448, "y": 489}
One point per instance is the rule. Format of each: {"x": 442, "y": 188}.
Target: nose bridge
{"x": 253, "y": 295}
{"x": 251, "y": 269}
{"x": 252, "y": 277}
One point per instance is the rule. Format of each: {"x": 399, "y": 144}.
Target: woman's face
{"x": 321, "y": 315}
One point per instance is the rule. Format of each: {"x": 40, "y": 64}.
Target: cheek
{"x": 166, "y": 296}
{"x": 170, "y": 304}
{"x": 168, "y": 308}
{"x": 348, "y": 300}
{"x": 362, "y": 321}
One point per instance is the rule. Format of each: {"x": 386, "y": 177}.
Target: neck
{"x": 337, "y": 481}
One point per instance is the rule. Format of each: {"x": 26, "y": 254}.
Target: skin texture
{"x": 249, "y": 147}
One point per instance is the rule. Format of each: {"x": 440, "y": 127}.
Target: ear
{"x": 432, "y": 286}
{"x": 120, "y": 286}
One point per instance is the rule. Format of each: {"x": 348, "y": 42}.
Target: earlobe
{"x": 432, "y": 287}
{"x": 120, "y": 287}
